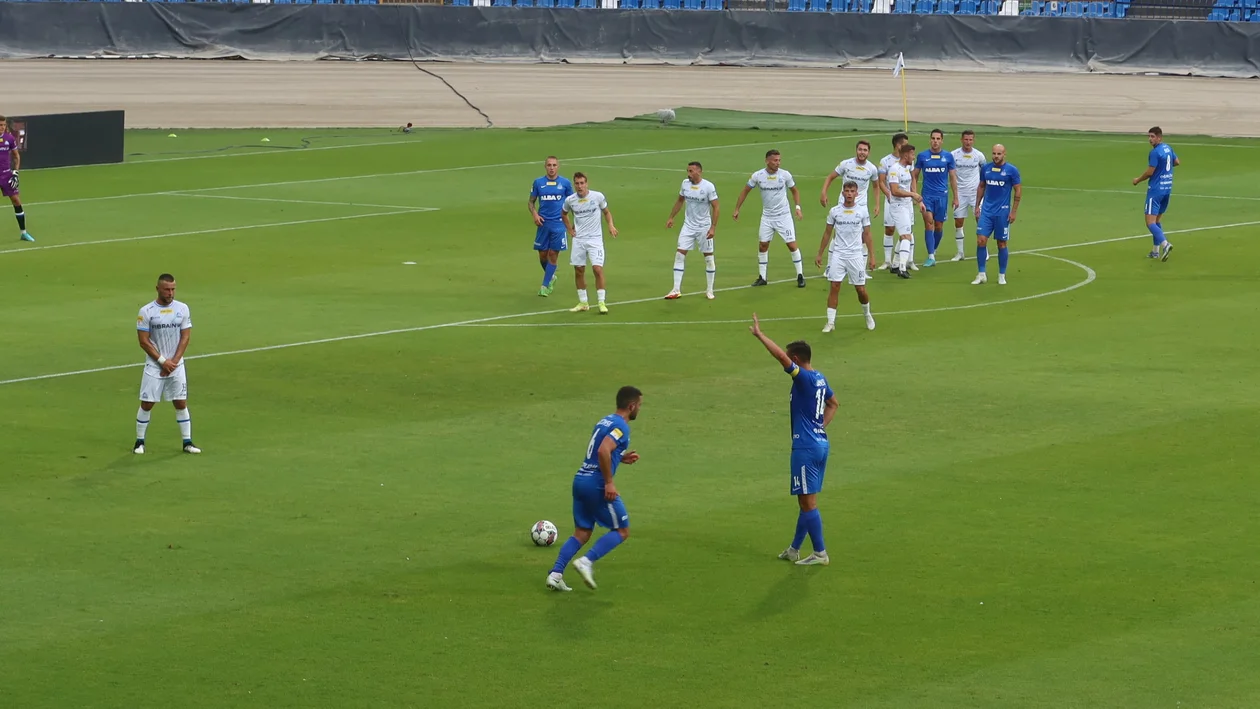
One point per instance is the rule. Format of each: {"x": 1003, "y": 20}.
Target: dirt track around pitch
{"x": 238, "y": 94}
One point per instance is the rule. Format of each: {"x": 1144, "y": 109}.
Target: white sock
{"x": 184, "y": 419}
{"x": 866, "y": 309}
{"x": 904, "y": 252}
{"x": 142, "y": 423}
{"x": 680, "y": 263}
{"x": 582, "y": 296}
{"x": 599, "y": 295}
{"x": 910, "y": 258}
{"x": 959, "y": 238}
{"x": 888, "y": 249}
{"x": 763, "y": 260}
{"x": 710, "y": 270}
{"x": 796, "y": 261}
{"x": 831, "y": 316}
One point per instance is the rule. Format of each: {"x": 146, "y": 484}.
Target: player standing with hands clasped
{"x": 163, "y": 328}
{"x": 850, "y": 225}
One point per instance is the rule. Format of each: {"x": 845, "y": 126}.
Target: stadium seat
{"x": 946, "y": 7}
{"x": 1235, "y": 16}
{"x": 672, "y": 4}
{"x": 966, "y": 7}
{"x": 1255, "y": 17}
{"x": 990, "y": 7}
{"x": 1217, "y": 15}
{"x": 903, "y": 7}
{"x": 863, "y": 6}
{"x": 712, "y": 5}
{"x": 1038, "y": 8}
{"x": 924, "y": 7}
{"x": 1121, "y": 10}
{"x": 1093, "y": 9}
{"x": 817, "y": 5}
{"x": 544, "y": 3}
{"x": 1075, "y": 9}
{"x": 501, "y": 3}
{"x": 566, "y": 3}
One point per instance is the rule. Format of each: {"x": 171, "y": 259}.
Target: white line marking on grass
{"x": 435, "y": 170}
{"x": 246, "y": 227}
{"x": 303, "y": 201}
{"x": 1091, "y": 275}
{"x": 272, "y": 151}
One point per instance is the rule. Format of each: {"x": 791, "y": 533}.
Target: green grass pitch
{"x": 1039, "y": 495}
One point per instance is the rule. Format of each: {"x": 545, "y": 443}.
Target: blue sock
{"x": 982, "y": 255}
{"x": 549, "y": 272}
{"x": 936, "y": 239}
{"x": 1157, "y": 233}
{"x": 1004, "y": 255}
{"x": 603, "y": 545}
{"x": 813, "y": 521}
{"x": 931, "y": 245}
{"x": 801, "y": 528}
{"x": 571, "y": 546}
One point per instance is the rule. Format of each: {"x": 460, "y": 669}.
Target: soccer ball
{"x": 544, "y": 533}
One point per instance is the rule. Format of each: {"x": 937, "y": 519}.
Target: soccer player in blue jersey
{"x": 936, "y": 167}
{"x": 546, "y": 206}
{"x": 595, "y": 497}
{"x": 1159, "y": 170}
{"x": 812, "y": 405}
{"x": 998, "y": 198}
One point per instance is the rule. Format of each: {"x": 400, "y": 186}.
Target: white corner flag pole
{"x": 900, "y": 70}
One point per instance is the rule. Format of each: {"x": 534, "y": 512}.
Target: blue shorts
{"x": 996, "y": 225}
{"x": 551, "y": 237}
{"x": 590, "y": 508}
{"x": 1156, "y": 204}
{"x": 809, "y": 465}
{"x": 938, "y": 206}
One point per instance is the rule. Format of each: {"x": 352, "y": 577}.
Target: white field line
{"x": 304, "y": 201}
{"x": 476, "y": 321}
{"x": 272, "y": 151}
{"x": 219, "y": 230}
{"x": 1090, "y": 277}
{"x": 436, "y": 170}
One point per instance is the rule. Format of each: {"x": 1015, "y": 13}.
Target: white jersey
{"x": 848, "y": 224}
{"x": 862, "y": 173}
{"x": 774, "y": 187}
{"x": 900, "y": 175}
{"x": 697, "y": 216}
{"x": 164, "y": 323}
{"x": 967, "y": 167}
{"x": 587, "y": 212}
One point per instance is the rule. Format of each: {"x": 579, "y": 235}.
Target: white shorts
{"x": 777, "y": 225}
{"x": 902, "y": 218}
{"x": 888, "y": 215}
{"x": 698, "y": 239}
{"x": 586, "y": 251}
{"x": 852, "y": 267}
{"x": 170, "y": 388}
{"x": 966, "y": 208}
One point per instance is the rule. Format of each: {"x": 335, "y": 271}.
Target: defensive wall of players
{"x": 402, "y": 32}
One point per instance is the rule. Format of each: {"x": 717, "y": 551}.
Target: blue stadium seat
{"x": 1217, "y": 15}
{"x": 712, "y": 5}
{"x": 566, "y": 3}
{"x": 1074, "y": 9}
{"x": 1038, "y": 8}
{"x": 924, "y": 7}
{"x": 1255, "y": 17}
{"x": 863, "y": 6}
{"x": 817, "y": 5}
{"x": 796, "y": 6}
{"x": 1093, "y": 9}
{"x": 672, "y": 4}
{"x": 903, "y": 7}
{"x": 966, "y": 7}
{"x": 946, "y": 7}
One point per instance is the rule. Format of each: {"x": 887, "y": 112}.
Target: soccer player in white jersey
{"x": 587, "y": 234}
{"x": 850, "y": 225}
{"x": 774, "y": 183}
{"x": 890, "y": 228}
{"x": 699, "y": 226}
{"x": 858, "y": 170}
{"x": 163, "y": 328}
{"x": 967, "y": 164}
{"x": 901, "y": 209}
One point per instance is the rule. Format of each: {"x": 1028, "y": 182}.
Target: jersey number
{"x": 590, "y": 448}
{"x": 820, "y": 405}
{"x": 1169, "y": 167}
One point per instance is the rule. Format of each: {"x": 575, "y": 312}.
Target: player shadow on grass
{"x": 784, "y": 596}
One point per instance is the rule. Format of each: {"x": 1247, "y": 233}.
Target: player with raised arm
{"x": 587, "y": 233}
{"x": 595, "y": 496}
{"x": 850, "y": 225}
{"x": 860, "y": 171}
{"x": 546, "y": 206}
{"x": 886, "y": 164}
{"x": 936, "y": 168}
{"x": 699, "y": 226}
{"x": 774, "y": 183}
{"x": 998, "y": 195}
{"x": 1159, "y": 170}
{"x": 812, "y": 405}
{"x": 163, "y": 328}
{"x": 10, "y": 162}
{"x": 967, "y": 164}
{"x": 901, "y": 209}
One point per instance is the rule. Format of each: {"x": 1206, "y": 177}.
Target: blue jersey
{"x": 611, "y": 425}
{"x": 810, "y": 393}
{"x": 935, "y": 169}
{"x": 551, "y": 195}
{"x": 999, "y": 184}
{"x": 1162, "y": 159}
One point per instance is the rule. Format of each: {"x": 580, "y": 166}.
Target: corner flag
{"x": 900, "y": 70}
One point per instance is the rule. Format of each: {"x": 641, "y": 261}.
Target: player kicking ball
{"x": 587, "y": 234}
{"x": 595, "y": 497}
{"x": 813, "y": 405}
{"x": 850, "y": 225}
{"x": 164, "y": 328}
{"x": 998, "y": 196}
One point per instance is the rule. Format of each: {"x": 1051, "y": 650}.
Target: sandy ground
{"x": 205, "y": 94}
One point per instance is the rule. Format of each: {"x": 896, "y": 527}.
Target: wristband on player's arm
{"x": 161, "y": 359}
